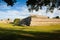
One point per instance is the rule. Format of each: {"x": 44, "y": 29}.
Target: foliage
{"x": 17, "y": 21}
{"x": 57, "y": 17}
{"x": 8, "y": 19}
{"x": 10, "y": 2}
{"x": 37, "y": 4}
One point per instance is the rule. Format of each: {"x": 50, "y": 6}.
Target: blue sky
{"x": 20, "y": 10}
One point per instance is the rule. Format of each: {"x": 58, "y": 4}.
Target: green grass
{"x": 31, "y": 28}
{"x": 10, "y": 32}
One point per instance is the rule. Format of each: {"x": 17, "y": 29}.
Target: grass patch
{"x": 10, "y": 32}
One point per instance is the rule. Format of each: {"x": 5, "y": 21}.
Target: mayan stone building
{"x": 38, "y": 20}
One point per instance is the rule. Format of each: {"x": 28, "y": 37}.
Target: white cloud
{"x": 14, "y": 13}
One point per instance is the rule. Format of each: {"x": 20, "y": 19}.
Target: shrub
{"x": 17, "y": 21}
{"x": 57, "y": 17}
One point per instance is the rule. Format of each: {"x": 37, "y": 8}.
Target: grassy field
{"x": 10, "y": 32}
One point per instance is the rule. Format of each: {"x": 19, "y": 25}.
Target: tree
{"x": 57, "y": 17}
{"x": 8, "y": 19}
{"x": 37, "y": 4}
{"x": 17, "y": 21}
{"x": 10, "y": 2}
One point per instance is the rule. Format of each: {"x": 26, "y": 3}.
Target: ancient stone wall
{"x": 39, "y": 21}
{"x": 43, "y": 20}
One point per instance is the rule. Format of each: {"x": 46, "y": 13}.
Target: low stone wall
{"x": 39, "y": 21}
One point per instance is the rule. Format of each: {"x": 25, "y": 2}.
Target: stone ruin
{"x": 25, "y": 21}
{"x": 38, "y": 20}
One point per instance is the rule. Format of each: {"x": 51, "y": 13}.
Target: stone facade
{"x": 43, "y": 20}
{"x": 25, "y": 21}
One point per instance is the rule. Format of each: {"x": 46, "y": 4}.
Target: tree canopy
{"x": 10, "y": 2}
{"x": 37, "y": 4}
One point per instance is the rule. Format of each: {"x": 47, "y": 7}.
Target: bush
{"x": 17, "y": 21}
{"x": 57, "y": 17}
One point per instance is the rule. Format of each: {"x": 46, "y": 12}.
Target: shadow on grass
{"x": 24, "y": 35}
